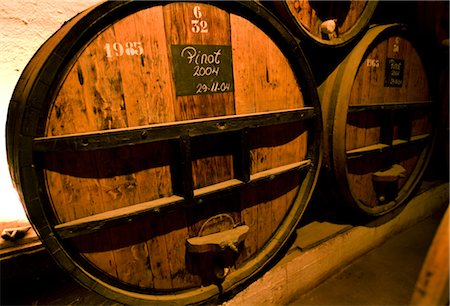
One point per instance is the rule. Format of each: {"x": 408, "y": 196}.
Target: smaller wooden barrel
{"x": 378, "y": 117}
{"x": 326, "y": 23}
{"x": 165, "y": 150}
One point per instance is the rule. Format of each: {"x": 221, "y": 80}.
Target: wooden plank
{"x": 353, "y": 16}
{"x": 365, "y": 150}
{"x": 244, "y": 76}
{"x": 197, "y": 24}
{"x": 214, "y": 30}
{"x": 279, "y": 170}
{"x": 381, "y": 147}
{"x": 217, "y": 187}
{"x": 105, "y": 139}
{"x": 106, "y": 103}
{"x": 398, "y": 142}
{"x": 264, "y": 81}
{"x": 69, "y": 197}
{"x": 128, "y": 214}
{"x": 389, "y": 107}
{"x": 419, "y": 138}
{"x": 147, "y": 89}
{"x": 118, "y": 90}
{"x": 364, "y": 129}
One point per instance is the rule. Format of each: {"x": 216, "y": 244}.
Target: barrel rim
{"x": 355, "y": 31}
{"x": 79, "y": 32}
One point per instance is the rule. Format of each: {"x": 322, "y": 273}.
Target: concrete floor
{"x": 384, "y": 276}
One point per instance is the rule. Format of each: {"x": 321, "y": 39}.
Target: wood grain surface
{"x": 125, "y": 78}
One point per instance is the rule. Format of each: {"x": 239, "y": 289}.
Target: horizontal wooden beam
{"x": 381, "y": 147}
{"x": 113, "y": 217}
{"x": 106, "y": 139}
{"x": 118, "y": 216}
{"x": 389, "y": 107}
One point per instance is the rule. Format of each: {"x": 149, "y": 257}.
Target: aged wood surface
{"x": 349, "y": 18}
{"x": 311, "y": 15}
{"x": 106, "y": 139}
{"x": 134, "y": 169}
{"x": 255, "y": 94}
{"x": 128, "y": 214}
{"x": 367, "y": 129}
{"x": 378, "y": 113}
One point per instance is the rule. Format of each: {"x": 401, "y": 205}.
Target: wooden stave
{"x": 335, "y": 163}
{"x": 27, "y": 181}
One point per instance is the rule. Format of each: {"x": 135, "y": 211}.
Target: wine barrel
{"x": 378, "y": 121}
{"x": 165, "y": 151}
{"x": 326, "y": 23}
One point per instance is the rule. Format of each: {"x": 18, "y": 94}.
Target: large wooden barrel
{"x": 326, "y": 23}
{"x": 378, "y": 121}
{"x": 165, "y": 151}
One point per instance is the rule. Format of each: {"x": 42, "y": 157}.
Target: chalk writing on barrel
{"x": 202, "y": 69}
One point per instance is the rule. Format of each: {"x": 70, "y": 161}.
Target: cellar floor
{"x": 385, "y": 275}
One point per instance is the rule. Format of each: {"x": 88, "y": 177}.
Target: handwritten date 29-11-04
{"x": 215, "y": 87}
